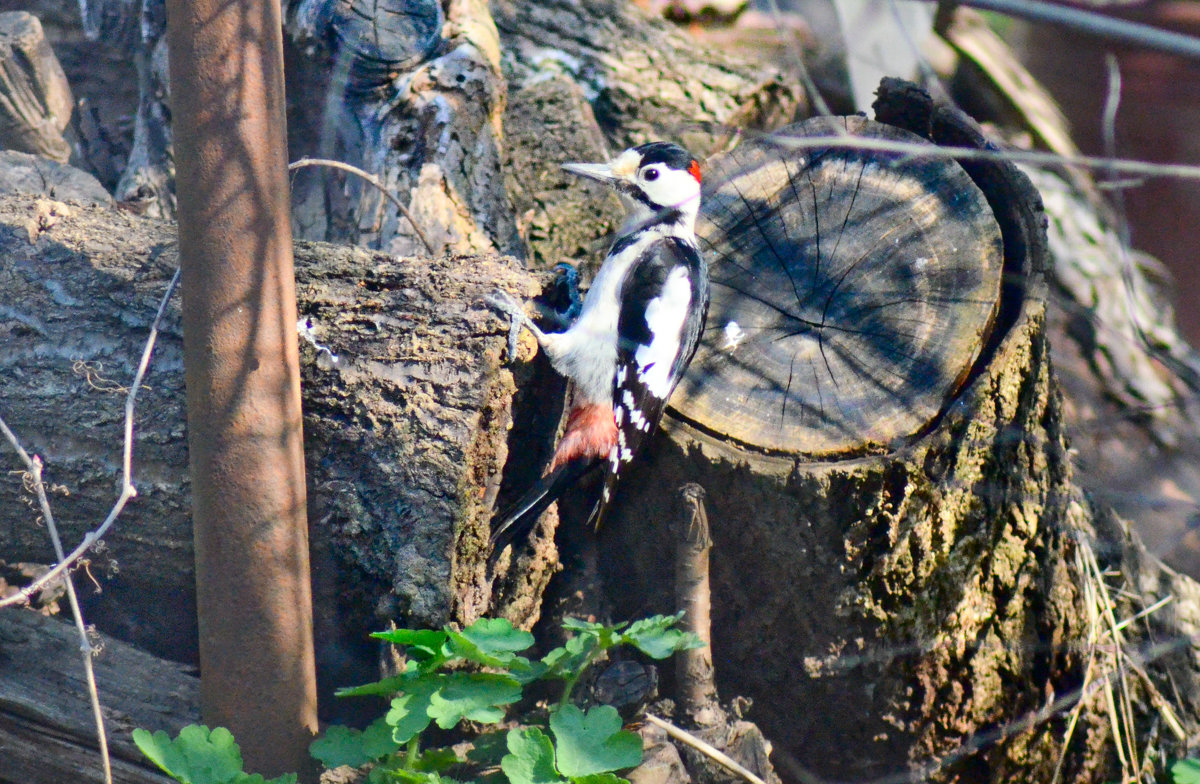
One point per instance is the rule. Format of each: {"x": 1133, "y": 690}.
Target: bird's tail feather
{"x": 515, "y": 523}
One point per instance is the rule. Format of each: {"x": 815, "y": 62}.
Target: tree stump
{"x": 915, "y": 591}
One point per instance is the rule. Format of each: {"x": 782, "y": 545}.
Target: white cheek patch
{"x": 673, "y": 188}
{"x": 665, "y": 316}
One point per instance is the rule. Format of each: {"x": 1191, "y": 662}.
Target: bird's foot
{"x": 503, "y": 303}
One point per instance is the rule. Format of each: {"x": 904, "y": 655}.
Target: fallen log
{"x": 406, "y": 432}
{"x": 47, "y": 731}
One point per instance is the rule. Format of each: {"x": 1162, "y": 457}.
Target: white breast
{"x": 587, "y": 352}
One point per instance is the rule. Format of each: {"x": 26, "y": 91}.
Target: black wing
{"x": 664, "y": 301}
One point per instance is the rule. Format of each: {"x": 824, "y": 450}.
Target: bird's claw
{"x": 503, "y": 302}
{"x": 507, "y": 306}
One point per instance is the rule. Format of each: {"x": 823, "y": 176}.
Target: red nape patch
{"x": 694, "y": 170}
{"x": 591, "y": 432}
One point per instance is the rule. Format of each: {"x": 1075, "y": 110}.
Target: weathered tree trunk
{"x": 934, "y": 599}
{"x": 435, "y": 136}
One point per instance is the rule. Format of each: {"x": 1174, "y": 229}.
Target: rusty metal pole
{"x": 242, "y": 372}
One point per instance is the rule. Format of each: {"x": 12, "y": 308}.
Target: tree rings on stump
{"x": 852, "y": 291}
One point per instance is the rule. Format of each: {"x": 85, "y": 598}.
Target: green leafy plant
{"x": 1186, "y": 771}
{"x": 199, "y": 755}
{"x": 452, "y": 677}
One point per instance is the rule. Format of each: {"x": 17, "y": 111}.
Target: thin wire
{"x": 1094, "y": 23}
{"x": 371, "y": 178}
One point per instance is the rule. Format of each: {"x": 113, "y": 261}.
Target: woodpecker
{"x": 635, "y": 334}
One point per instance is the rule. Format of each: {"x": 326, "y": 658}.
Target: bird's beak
{"x": 602, "y": 172}
{"x": 620, "y": 170}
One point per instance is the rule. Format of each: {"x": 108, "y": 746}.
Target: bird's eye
{"x": 650, "y": 175}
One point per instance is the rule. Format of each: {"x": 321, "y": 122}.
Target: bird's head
{"x": 659, "y": 181}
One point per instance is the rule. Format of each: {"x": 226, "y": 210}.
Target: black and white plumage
{"x": 635, "y": 335}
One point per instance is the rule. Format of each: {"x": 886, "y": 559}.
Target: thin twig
{"x": 127, "y": 489}
{"x": 1152, "y": 608}
{"x": 34, "y": 466}
{"x": 371, "y": 178}
{"x": 707, "y": 749}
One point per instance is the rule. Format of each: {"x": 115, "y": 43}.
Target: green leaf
{"x": 436, "y": 760}
{"x": 600, "y": 778}
{"x": 400, "y": 775}
{"x": 658, "y": 638}
{"x": 492, "y": 642}
{"x": 1186, "y": 771}
{"x": 525, "y": 671}
{"x": 385, "y": 687}
{"x": 426, "y": 647}
{"x": 423, "y": 642}
{"x": 605, "y": 635}
{"x": 567, "y": 661}
{"x": 409, "y": 716}
{"x": 593, "y": 742}
{"x": 197, "y": 756}
{"x": 487, "y": 749}
{"x": 530, "y": 758}
{"x": 475, "y": 696}
{"x": 579, "y": 625}
{"x": 346, "y": 746}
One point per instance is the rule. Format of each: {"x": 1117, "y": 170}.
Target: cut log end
{"x": 852, "y": 292}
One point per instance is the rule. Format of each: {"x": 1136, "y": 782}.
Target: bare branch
{"x": 916, "y": 150}
{"x": 707, "y": 749}
{"x": 1095, "y": 23}
{"x": 371, "y": 178}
